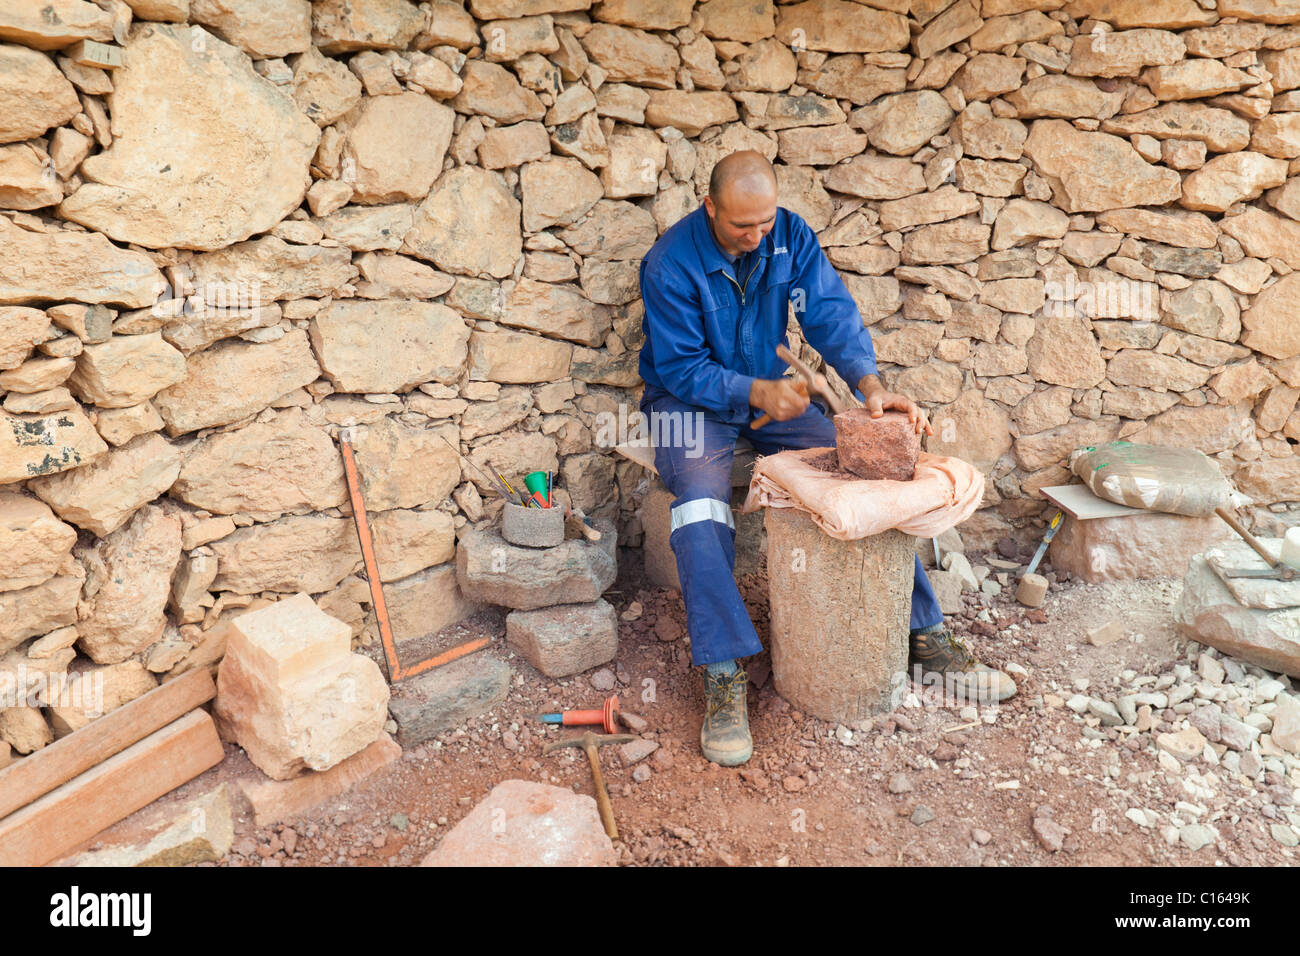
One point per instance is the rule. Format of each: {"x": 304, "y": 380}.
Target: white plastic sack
{"x": 1179, "y": 481}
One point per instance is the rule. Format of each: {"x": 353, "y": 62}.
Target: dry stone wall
{"x": 1065, "y": 221}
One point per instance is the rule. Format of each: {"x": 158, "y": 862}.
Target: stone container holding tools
{"x": 532, "y": 527}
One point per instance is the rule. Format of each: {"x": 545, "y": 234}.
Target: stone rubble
{"x": 417, "y": 228}
{"x": 1227, "y": 738}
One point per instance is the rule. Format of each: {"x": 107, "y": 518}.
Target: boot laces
{"x": 729, "y": 692}
{"x": 961, "y": 656}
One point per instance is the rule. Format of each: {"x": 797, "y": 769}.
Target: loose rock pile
{"x": 1228, "y": 733}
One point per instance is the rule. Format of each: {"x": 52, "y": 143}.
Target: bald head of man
{"x": 741, "y": 203}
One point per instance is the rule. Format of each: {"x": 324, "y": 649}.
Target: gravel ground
{"x": 1079, "y": 768}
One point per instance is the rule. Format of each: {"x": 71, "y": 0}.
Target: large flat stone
{"x": 198, "y": 831}
{"x": 443, "y": 698}
{"x": 565, "y": 639}
{"x": 1134, "y": 547}
{"x": 1207, "y": 612}
{"x": 275, "y": 800}
{"x": 576, "y": 572}
{"x": 522, "y": 823}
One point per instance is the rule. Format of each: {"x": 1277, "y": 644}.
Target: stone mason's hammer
{"x": 809, "y": 381}
{"x": 589, "y": 742}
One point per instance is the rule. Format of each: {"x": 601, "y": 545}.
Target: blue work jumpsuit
{"x": 710, "y": 332}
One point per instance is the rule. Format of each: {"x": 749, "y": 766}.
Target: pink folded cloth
{"x": 943, "y": 494}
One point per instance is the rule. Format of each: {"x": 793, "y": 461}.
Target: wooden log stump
{"x": 839, "y": 614}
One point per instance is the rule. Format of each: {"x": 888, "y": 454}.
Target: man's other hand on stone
{"x": 877, "y": 400}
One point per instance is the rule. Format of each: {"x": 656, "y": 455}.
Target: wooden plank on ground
{"x": 103, "y": 737}
{"x": 113, "y": 790}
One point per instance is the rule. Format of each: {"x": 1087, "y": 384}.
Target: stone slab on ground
{"x": 199, "y": 831}
{"x": 275, "y": 800}
{"x": 431, "y": 703}
{"x": 839, "y": 638}
{"x": 1208, "y": 613}
{"x": 521, "y": 823}
{"x": 575, "y": 572}
{"x": 565, "y": 639}
{"x": 1267, "y": 593}
{"x": 1134, "y": 546}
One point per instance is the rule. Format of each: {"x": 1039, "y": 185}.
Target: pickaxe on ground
{"x": 589, "y": 742}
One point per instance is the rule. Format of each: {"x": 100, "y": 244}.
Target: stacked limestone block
{"x": 291, "y": 692}
{"x": 276, "y": 219}
{"x": 559, "y": 621}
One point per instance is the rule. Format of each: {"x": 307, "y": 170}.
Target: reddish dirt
{"x": 805, "y": 798}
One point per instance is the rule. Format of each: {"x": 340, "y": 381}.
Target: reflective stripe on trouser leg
{"x": 705, "y": 548}
{"x": 702, "y": 509}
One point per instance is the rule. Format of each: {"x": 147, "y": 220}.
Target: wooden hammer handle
{"x": 816, "y": 382}
{"x": 1246, "y": 536}
{"x": 602, "y": 795}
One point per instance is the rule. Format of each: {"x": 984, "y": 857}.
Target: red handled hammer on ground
{"x": 812, "y": 382}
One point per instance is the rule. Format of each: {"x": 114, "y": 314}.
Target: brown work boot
{"x": 964, "y": 676}
{"x": 724, "y": 736}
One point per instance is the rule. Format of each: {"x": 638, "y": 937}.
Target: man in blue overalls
{"x": 716, "y": 288}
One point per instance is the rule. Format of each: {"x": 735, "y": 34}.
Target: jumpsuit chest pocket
{"x": 777, "y": 274}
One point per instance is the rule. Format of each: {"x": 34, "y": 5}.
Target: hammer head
{"x": 588, "y": 741}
